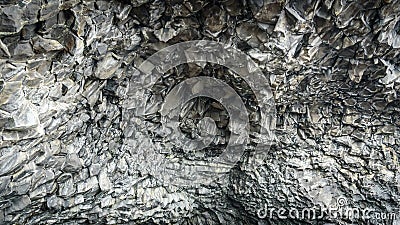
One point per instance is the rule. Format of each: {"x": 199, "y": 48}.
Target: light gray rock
{"x": 104, "y": 181}
{"x": 45, "y": 45}
{"x": 10, "y": 19}
{"x": 54, "y": 202}
{"x": 11, "y": 161}
{"x": 106, "y": 67}
{"x": 19, "y": 203}
{"x": 72, "y": 163}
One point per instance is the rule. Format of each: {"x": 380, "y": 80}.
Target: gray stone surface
{"x": 65, "y": 66}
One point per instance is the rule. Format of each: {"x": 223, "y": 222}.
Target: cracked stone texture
{"x": 333, "y": 66}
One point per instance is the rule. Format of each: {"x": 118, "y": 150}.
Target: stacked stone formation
{"x": 65, "y": 66}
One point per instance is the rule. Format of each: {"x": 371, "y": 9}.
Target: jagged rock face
{"x": 333, "y": 67}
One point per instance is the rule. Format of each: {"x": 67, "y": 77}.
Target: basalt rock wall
{"x": 333, "y": 67}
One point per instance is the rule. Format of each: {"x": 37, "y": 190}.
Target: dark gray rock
{"x": 70, "y": 154}
{"x": 10, "y": 20}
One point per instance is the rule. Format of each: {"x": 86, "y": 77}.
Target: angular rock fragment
{"x": 269, "y": 12}
{"x": 137, "y": 3}
{"x": 357, "y": 71}
{"x": 18, "y": 204}
{"x": 4, "y": 48}
{"x": 72, "y": 163}
{"x": 165, "y": 34}
{"x": 215, "y": 20}
{"x": 11, "y": 161}
{"x": 49, "y": 9}
{"x": 54, "y": 202}
{"x": 45, "y": 45}
{"x": 106, "y": 67}
{"x": 10, "y": 17}
{"x": 23, "y": 50}
{"x": 392, "y": 73}
{"x": 104, "y": 181}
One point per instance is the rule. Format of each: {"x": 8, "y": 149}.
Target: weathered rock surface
{"x": 65, "y": 65}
